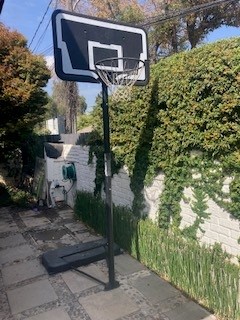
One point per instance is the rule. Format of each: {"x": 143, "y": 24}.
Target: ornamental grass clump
{"x": 204, "y": 273}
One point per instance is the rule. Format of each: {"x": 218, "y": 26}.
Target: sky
{"x": 25, "y": 16}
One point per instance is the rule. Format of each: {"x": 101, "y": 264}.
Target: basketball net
{"x": 120, "y": 75}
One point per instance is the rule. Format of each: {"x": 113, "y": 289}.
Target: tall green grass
{"x": 204, "y": 273}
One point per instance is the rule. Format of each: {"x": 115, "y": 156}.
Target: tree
{"x": 23, "y": 76}
{"x": 51, "y": 109}
{"x": 68, "y": 102}
{"x": 70, "y": 89}
{"x": 65, "y": 95}
{"x": 174, "y": 35}
{"x": 198, "y": 25}
{"x": 82, "y": 105}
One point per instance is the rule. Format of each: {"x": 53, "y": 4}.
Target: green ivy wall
{"x": 186, "y": 125}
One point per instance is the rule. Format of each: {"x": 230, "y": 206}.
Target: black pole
{"x": 108, "y": 189}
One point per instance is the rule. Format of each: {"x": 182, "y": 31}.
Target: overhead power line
{"x": 47, "y": 50}
{"x": 183, "y": 12}
{"x": 40, "y": 23}
{"x": 42, "y": 36}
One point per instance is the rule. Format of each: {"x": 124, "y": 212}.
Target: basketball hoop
{"x": 120, "y": 75}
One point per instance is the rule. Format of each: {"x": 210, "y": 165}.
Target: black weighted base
{"x": 66, "y": 258}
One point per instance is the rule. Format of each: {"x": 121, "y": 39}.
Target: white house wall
{"x": 219, "y": 227}
{"x": 122, "y": 194}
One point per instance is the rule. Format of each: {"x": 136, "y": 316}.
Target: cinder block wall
{"x": 220, "y": 227}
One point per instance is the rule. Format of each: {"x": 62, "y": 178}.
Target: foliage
{"x": 13, "y": 196}
{"x": 96, "y": 149}
{"x": 31, "y": 148}
{"x": 5, "y": 199}
{"x": 85, "y": 120}
{"x": 185, "y": 122}
{"x": 199, "y": 206}
{"x": 206, "y": 274}
{"x": 124, "y": 10}
{"x": 23, "y": 77}
{"x": 189, "y": 30}
{"x": 95, "y": 142}
{"x": 51, "y": 109}
{"x": 82, "y": 105}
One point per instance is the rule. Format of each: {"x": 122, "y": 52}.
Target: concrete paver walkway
{"x": 28, "y": 292}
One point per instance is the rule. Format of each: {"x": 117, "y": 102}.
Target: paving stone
{"x": 8, "y": 226}
{"x": 126, "y": 265}
{"x": 108, "y": 305}
{"x": 171, "y": 303}
{"x": 46, "y": 246}
{"x": 86, "y": 237}
{"x": 66, "y": 214}
{"x": 55, "y": 314}
{"x": 35, "y": 221}
{"x": 76, "y": 226}
{"x": 66, "y": 240}
{"x": 78, "y": 282}
{"x": 54, "y": 234}
{"x": 15, "y": 254}
{"x": 5, "y": 216}
{"x": 28, "y": 213}
{"x": 11, "y": 241}
{"x": 4, "y": 211}
{"x": 22, "y": 271}
{"x": 188, "y": 311}
{"x": 53, "y": 239}
{"x": 30, "y": 296}
{"x": 154, "y": 288}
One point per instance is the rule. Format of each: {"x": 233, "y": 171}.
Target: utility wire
{"x": 40, "y": 23}
{"x": 183, "y": 12}
{"x": 46, "y": 50}
{"x": 42, "y": 36}
{"x": 45, "y": 30}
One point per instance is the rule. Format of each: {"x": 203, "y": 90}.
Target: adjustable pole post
{"x": 108, "y": 189}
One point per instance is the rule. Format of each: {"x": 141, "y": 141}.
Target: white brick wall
{"x": 219, "y": 227}
{"x": 152, "y": 194}
{"x": 121, "y": 191}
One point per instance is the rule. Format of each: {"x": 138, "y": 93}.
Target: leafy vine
{"x": 186, "y": 123}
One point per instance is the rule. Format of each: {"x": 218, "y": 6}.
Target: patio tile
{"x": 16, "y": 253}
{"x": 86, "y": 237}
{"x": 8, "y": 226}
{"x": 30, "y": 296}
{"x": 22, "y": 271}
{"x": 35, "y": 221}
{"x": 154, "y": 288}
{"x": 76, "y": 226}
{"x": 186, "y": 310}
{"x": 13, "y": 240}
{"x": 78, "y": 282}
{"x": 126, "y": 265}
{"x": 108, "y": 305}
{"x": 66, "y": 214}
